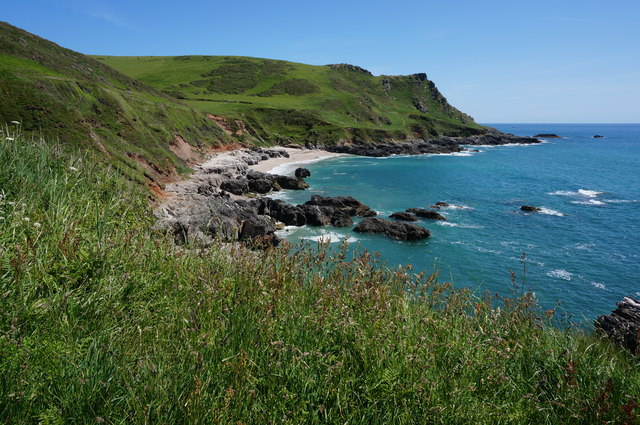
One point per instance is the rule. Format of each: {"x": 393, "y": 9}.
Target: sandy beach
{"x": 296, "y": 157}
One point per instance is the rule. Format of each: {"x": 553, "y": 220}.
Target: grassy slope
{"x": 286, "y": 101}
{"x": 104, "y": 321}
{"x": 67, "y": 95}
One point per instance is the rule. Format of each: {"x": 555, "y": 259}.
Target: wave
{"x": 462, "y": 226}
{"x": 589, "y": 202}
{"x": 456, "y": 207}
{"x": 584, "y": 246}
{"x": 549, "y": 211}
{"x": 289, "y": 167}
{"x": 581, "y": 192}
{"x": 560, "y": 274}
{"x": 621, "y": 201}
{"x": 599, "y": 285}
{"x": 464, "y": 153}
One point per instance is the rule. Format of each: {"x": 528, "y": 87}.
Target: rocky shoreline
{"x": 225, "y": 198}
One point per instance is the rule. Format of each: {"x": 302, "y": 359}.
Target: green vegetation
{"x": 67, "y": 95}
{"x": 102, "y": 320}
{"x": 286, "y": 102}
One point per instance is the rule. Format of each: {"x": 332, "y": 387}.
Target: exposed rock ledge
{"x": 623, "y": 324}
{"x": 435, "y": 146}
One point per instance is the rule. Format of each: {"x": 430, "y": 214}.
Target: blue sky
{"x": 499, "y": 61}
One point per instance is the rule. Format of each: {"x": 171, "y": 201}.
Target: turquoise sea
{"x": 583, "y": 250}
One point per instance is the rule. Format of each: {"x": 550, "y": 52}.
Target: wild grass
{"x": 102, "y": 320}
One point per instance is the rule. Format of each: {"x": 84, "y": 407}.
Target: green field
{"x": 298, "y": 103}
{"x": 71, "y": 97}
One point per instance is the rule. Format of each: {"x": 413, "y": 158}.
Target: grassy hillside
{"x": 71, "y": 97}
{"x": 292, "y": 102}
{"x": 104, "y": 321}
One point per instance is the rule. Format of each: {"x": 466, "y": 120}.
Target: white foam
{"x": 549, "y": 211}
{"x": 621, "y": 201}
{"x": 330, "y": 237}
{"x": 457, "y": 207}
{"x": 560, "y": 274}
{"x": 464, "y": 153}
{"x": 462, "y": 226}
{"x": 589, "y": 193}
{"x": 589, "y": 202}
{"x": 563, "y": 193}
{"x": 599, "y": 285}
{"x": 487, "y": 250}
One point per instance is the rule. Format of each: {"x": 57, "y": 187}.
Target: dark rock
{"x": 315, "y": 215}
{"x": 302, "y": 173}
{"x": 428, "y": 214}
{"x": 392, "y": 229}
{"x": 403, "y": 216}
{"x": 597, "y": 136}
{"x": 291, "y": 183}
{"x": 349, "y": 205}
{"x": 340, "y": 219}
{"x": 529, "y": 208}
{"x": 623, "y": 324}
{"x": 260, "y": 186}
{"x": 235, "y": 186}
{"x": 281, "y": 211}
{"x": 548, "y": 136}
{"x": 439, "y": 205}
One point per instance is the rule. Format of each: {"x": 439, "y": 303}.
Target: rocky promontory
{"x": 623, "y": 324}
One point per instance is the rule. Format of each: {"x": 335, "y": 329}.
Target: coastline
{"x": 284, "y": 165}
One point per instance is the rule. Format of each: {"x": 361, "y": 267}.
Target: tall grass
{"x": 104, "y": 321}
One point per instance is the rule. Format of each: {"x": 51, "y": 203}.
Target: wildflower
{"x": 26, "y": 219}
{"x": 1, "y": 218}
{"x": 11, "y": 139}
{"x": 73, "y": 168}
{"x": 15, "y": 122}
{"x": 37, "y": 225}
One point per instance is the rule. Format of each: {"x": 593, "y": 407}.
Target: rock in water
{"x": 431, "y": 215}
{"x": 302, "y": 173}
{"x": 623, "y": 324}
{"x": 403, "y": 216}
{"x": 392, "y": 229}
{"x": 529, "y": 208}
{"x": 548, "y": 136}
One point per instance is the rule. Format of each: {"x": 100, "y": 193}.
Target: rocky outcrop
{"x": 548, "y": 136}
{"x": 392, "y": 229}
{"x": 623, "y": 324}
{"x": 347, "y": 204}
{"x": 428, "y": 214}
{"x": 530, "y": 208}
{"x": 597, "y": 136}
{"x": 403, "y": 216}
{"x": 302, "y": 173}
{"x": 421, "y": 146}
{"x": 439, "y": 205}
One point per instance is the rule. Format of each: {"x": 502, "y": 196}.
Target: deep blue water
{"x": 583, "y": 251}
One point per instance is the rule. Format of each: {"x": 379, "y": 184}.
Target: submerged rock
{"x": 392, "y": 229}
{"x": 403, "y": 216}
{"x": 530, "y": 208}
{"x": 597, "y": 136}
{"x": 428, "y": 214}
{"x": 548, "y": 136}
{"x": 623, "y": 324}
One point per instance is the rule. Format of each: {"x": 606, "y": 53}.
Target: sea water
{"x": 582, "y": 249}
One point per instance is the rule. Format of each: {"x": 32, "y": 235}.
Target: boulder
{"x": 302, "y": 173}
{"x": 529, "y": 208}
{"x": 260, "y": 185}
{"x": 291, "y": 183}
{"x": 403, "y": 216}
{"x": 349, "y": 205}
{"x": 235, "y": 186}
{"x": 428, "y": 214}
{"x": 547, "y": 136}
{"x": 623, "y": 324}
{"x": 340, "y": 219}
{"x": 315, "y": 215}
{"x": 281, "y": 211}
{"x": 597, "y": 136}
{"x": 392, "y": 229}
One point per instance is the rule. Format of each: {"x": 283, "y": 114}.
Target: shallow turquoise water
{"x": 583, "y": 251}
